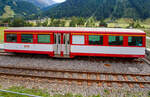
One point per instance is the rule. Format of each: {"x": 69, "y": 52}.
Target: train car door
{"x": 57, "y": 44}
{"x": 61, "y": 45}
{"x": 66, "y": 45}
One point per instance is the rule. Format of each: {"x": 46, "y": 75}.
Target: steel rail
{"x": 74, "y": 79}
{"x": 2, "y": 51}
{"x": 6, "y": 54}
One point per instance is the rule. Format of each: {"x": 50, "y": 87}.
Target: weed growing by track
{"x": 2, "y": 34}
{"x": 149, "y": 94}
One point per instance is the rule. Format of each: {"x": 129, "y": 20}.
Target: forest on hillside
{"x": 101, "y": 9}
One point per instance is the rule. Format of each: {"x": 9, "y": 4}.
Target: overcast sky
{"x": 50, "y": 2}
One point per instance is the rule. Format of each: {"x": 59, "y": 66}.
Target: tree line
{"x": 64, "y": 22}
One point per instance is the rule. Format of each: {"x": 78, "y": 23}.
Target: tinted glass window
{"x": 11, "y": 37}
{"x": 135, "y": 41}
{"x": 27, "y": 38}
{"x": 95, "y": 40}
{"x": 78, "y": 39}
{"x": 115, "y": 40}
{"x": 43, "y": 38}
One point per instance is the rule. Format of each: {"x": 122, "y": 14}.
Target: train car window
{"x": 95, "y": 40}
{"x": 115, "y": 40}
{"x": 43, "y": 38}
{"x": 135, "y": 41}
{"x": 78, "y": 39}
{"x": 27, "y": 38}
{"x": 11, "y": 37}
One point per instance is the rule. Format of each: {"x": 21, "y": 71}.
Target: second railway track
{"x": 79, "y": 76}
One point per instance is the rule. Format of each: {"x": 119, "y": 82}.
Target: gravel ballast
{"x": 62, "y": 88}
{"x": 81, "y": 64}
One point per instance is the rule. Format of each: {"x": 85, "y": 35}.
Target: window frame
{"x": 100, "y": 40}
{"x": 45, "y": 34}
{"x": 143, "y": 45}
{"x": 117, "y": 45}
{"x": 27, "y": 42}
{"x": 5, "y": 40}
{"x": 78, "y": 35}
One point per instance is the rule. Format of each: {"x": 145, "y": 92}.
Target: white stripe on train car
{"x": 31, "y": 47}
{"x": 2, "y": 46}
{"x": 108, "y": 50}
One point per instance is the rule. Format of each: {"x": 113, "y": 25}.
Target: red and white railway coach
{"x": 70, "y": 42}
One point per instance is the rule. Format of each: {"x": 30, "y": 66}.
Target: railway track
{"x": 79, "y": 77}
{"x": 3, "y": 53}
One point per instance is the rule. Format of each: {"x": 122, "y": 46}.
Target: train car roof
{"x": 84, "y": 29}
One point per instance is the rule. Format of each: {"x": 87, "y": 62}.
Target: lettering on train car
{"x": 26, "y": 46}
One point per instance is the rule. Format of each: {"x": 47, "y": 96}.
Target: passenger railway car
{"x": 70, "y": 42}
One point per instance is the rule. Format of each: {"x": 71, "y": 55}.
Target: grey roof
{"x": 76, "y": 29}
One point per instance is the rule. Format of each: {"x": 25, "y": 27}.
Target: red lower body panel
{"x": 31, "y": 52}
{"x": 108, "y": 55}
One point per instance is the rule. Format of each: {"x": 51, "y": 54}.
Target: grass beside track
{"x": 2, "y": 34}
{"x": 36, "y": 92}
{"x": 44, "y": 93}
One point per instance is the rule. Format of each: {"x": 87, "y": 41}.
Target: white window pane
{"x": 78, "y": 39}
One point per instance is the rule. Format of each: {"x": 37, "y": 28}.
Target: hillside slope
{"x": 9, "y": 8}
{"x": 101, "y": 9}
